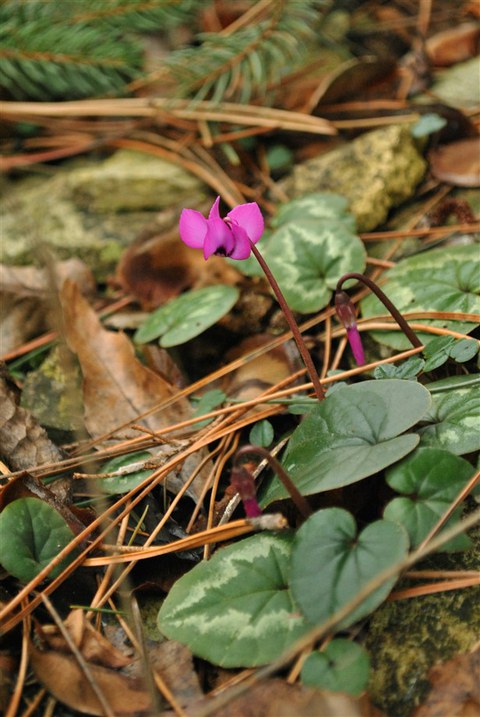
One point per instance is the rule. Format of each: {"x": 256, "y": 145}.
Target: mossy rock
{"x": 375, "y": 172}
{"x": 407, "y": 637}
{"x": 92, "y": 210}
{"x": 53, "y": 393}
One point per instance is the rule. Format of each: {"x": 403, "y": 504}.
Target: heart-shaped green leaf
{"x": 352, "y": 434}
{"x": 236, "y": 609}
{"x": 126, "y": 481}
{"x": 453, "y": 421}
{"x": 455, "y": 382}
{"x": 431, "y": 478}
{"x": 437, "y": 352}
{"x": 317, "y": 205}
{"x": 331, "y": 563}
{"x": 406, "y": 370}
{"x": 188, "y": 315}
{"x": 343, "y": 666}
{"x": 32, "y": 533}
{"x": 464, "y": 350}
{"x": 438, "y": 280}
{"x": 207, "y": 402}
{"x": 309, "y": 256}
{"x": 261, "y": 434}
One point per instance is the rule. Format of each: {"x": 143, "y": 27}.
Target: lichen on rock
{"x": 375, "y": 172}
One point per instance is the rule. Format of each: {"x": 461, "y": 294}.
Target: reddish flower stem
{"x": 301, "y": 503}
{"x": 409, "y": 333}
{"x": 307, "y": 359}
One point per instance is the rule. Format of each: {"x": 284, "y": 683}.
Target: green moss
{"x": 53, "y": 392}
{"x": 407, "y": 637}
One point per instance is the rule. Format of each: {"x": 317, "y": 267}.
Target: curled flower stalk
{"x": 300, "y": 501}
{"x": 235, "y": 237}
{"x": 346, "y": 313}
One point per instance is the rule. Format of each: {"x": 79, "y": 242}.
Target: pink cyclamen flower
{"x": 230, "y": 236}
{"x": 346, "y": 313}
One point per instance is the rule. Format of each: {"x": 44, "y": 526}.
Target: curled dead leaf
{"x": 64, "y": 679}
{"x": 455, "y": 688}
{"x": 276, "y": 698}
{"x": 456, "y": 44}
{"x": 174, "y": 662}
{"x": 259, "y": 374}
{"x": 92, "y": 644}
{"x": 117, "y": 388}
{"x": 24, "y": 291}
{"x": 23, "y": 442}
{"x": 158, "y": 268}
{"x": 457, "y": 163}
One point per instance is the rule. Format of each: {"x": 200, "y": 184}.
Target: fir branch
{"x": 137, "y": 15}
{"x": 242, "y": 64}
{"x": 43, "y": 55}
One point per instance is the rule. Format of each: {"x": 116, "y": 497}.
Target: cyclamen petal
{"x": 346, "y": 313}
{"x": 250, "y": 218}
{"x": 193, "y": 228}
{"x": 242, "y": 248}
{"x": 353, "y": 336}
{"x": 218, "y": 239}
{"x": 232, "y": 236}
{"x": 215, "y": 211}
{"x": 252, "y": 508}
{"x": 244, "y": 483}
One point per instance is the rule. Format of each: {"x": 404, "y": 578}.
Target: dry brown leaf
{"x": 62, "y": 676}
{"x": 158, "y": 268}
{"x": 117, "y": 388}
{"x": 455, "y": 688}
{"x": 174, "y": 662}
{"x": 258, "y": 375}
{"x": 8, "y": 676}
{"x": 24, "y": 291}
{"x": 349, "y": 80}
{"x": 457, "y": 163}
{"x": 92, "y": 644}
{"x": 276, "y": 698}
{"x": 23, "y": 442}
{"x": 456, "y": 44}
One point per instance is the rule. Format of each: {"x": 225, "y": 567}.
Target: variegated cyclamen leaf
{"x": 317, "y": 205}
{"x": 453, "y": 421}
{"x": 236, "y": 609}
{"x": 438, "y": 280}
{"x": 187, "y": 315}
{"x": 309, "y": 256}
{"x": 123, "y": 482}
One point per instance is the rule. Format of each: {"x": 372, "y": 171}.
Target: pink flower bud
{"x": 243, "y": 482}
{"x": 346, "y": 313}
